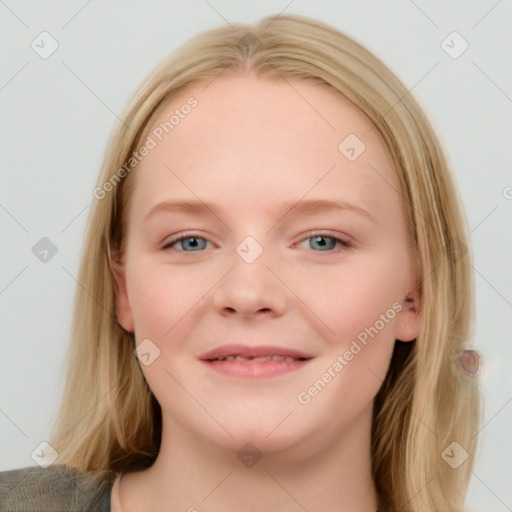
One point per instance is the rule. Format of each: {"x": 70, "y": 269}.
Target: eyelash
{"x": 343, "y": 243}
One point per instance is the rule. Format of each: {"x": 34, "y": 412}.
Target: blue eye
{"x": 325, "y": 242}
{"x": 322, "y": 242}
{"x": 194, "y": 246}
{"x": 318, "y": 241}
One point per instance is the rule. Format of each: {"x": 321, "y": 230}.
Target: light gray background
{"x": 57, "y": 113}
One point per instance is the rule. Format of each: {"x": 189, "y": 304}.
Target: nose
{"x": 251, "y": 288}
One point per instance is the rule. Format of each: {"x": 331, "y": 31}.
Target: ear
{"x": 408, "y": 321}
{"x": 123, "y": 308}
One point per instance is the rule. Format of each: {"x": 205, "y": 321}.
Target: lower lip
{"x": 253, "y": 369}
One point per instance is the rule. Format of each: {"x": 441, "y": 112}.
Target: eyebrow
{"x": 301, "y": 207}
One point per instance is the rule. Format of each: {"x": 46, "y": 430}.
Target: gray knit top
{"x": 57, "y": 488}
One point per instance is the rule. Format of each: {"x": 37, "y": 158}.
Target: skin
{"x": 249, "y": 145}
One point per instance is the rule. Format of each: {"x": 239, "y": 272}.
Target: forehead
{"x": 250, "y": 136}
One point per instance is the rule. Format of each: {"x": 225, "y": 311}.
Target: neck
{"x": 192, "y": 474}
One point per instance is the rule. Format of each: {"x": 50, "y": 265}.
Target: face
{"x": 275, "y": 294}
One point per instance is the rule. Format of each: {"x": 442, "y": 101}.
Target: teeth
{"x": 263, "y": 359}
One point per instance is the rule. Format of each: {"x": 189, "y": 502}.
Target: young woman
{"x": 275, "y": 294}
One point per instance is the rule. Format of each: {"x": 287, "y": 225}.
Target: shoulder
{"x": 56, "y": 488}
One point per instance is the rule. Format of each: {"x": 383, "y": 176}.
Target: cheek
{"x": 353, "y": 297}
{"x": 359, "y": 304}
{"x": 162, "y": 299}
{"x": 165, "y": 303}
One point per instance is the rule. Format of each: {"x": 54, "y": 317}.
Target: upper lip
{"x": 234, "y": 349}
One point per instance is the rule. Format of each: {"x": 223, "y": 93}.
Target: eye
{"x": 324, "y": 242}
{"x": 192, "y": 242}
{"x": 321, "y": 242}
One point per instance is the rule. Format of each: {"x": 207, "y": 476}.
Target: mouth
{"x": 261, "y": 359}
{"x": 254, "y": 362}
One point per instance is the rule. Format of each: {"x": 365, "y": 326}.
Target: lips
{"x": 259, "y": 362}
{"x": 243, "y": 352}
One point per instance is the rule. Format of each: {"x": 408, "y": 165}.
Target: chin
{"x": 253, "y": 434}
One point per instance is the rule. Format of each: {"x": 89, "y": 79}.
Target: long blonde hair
{"x": 110, "y": 421}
